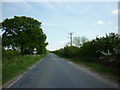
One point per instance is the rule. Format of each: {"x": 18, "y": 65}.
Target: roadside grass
{"x": 0, "y": 65}
{"x": 14, "y": 67}
{"x": 95, "y": 67}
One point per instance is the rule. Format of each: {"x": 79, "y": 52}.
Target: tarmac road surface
{"x": 55, "y": 72}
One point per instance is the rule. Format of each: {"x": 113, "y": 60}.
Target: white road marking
{"x": 24, "y": 73}
{"x": 15, "y": 81}
{"x": 32, "y": 66}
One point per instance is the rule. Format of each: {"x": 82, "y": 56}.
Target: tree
{"x": 70, "y": 51}
{"x": 78, "y": 41}
{"x": 24, "y": 33}
{"x": 104, "y": 50}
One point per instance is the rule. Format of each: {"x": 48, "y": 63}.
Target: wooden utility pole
{"x": 70, "y": 38}
{"x": 118, "y": 31}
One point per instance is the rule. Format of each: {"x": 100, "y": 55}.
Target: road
{"x": 55, "y": 72}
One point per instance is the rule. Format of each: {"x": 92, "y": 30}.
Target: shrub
{"x": 9, "y": 54}
{"x": 71, "y": 51}
{"x": 104, "y": 50}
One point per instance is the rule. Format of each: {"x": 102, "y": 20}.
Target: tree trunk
{"x": 21, "y": 49}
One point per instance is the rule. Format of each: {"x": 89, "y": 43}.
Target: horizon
{"x": 89, "y": 19}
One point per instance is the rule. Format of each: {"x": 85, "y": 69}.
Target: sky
{"x": 89, "y": 19}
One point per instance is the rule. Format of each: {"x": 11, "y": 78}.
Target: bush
{"x": 70, "y": 51}
{"x": 9, "y": 54}
{"x": 104, "y": 51}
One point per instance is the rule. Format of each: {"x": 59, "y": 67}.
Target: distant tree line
{"x": 23, "y": 34}
{"x": 103, "y": 50}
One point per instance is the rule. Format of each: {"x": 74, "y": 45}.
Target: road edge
{"x": 93, "y": 72}
{"x": 16, "y": 78}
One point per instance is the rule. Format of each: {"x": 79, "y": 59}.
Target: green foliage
{"x": 108, "y": 50}
{"x": 7, "y": 55}
{"x": 96, "y": 67}
{"x": 16, "y": 66}
{"x": 23, "y": 33}
{"x": 70, "y": 51}
{"x": 47, "y": 51}
{"x": 104, "y": 51}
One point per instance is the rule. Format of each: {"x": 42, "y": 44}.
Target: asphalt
{"x": 55, "y": 72}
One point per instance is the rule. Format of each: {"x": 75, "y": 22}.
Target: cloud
{"x": 100, "y": 22}
{"x": 52, "y": 46}
{"x": 25, "y": 6}
{"x": 115, "y": 12}
{"x": 47, "y": 5}
{"x": 13, "y": 1}
{"x": 62, "y": 44}
{"x": 61, "y": 0}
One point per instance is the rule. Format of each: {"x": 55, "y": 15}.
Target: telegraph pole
{"x": 118, "y": 31}
{"x": 70, "y": 38}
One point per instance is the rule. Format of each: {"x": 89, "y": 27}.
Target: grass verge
{"x": 14, "y": 67}
{"x": 95, "y": 67}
